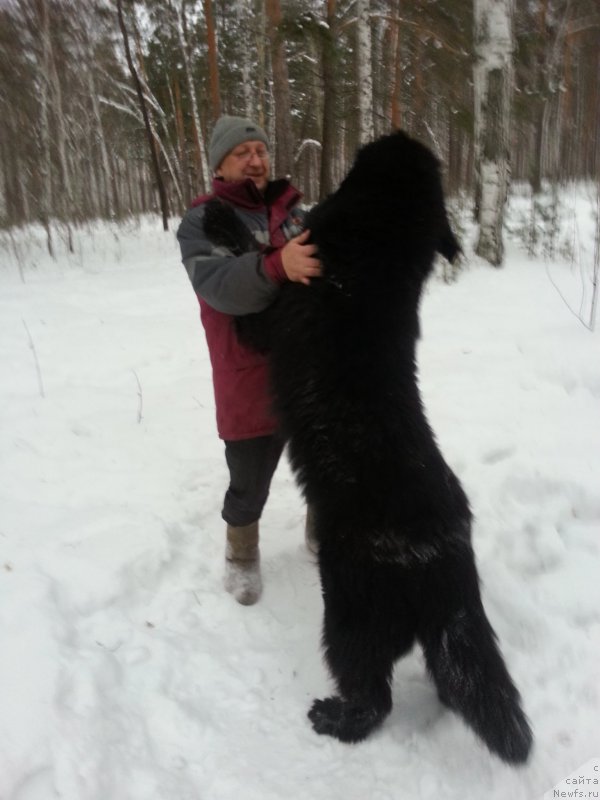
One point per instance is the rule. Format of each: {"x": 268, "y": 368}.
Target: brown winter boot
{"x": 310, "y": 535}
{"x": 242, "y": 564}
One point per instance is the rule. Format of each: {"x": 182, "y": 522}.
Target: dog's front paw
{"x": 325, "y": 715}
{"x": 346, "y": 721}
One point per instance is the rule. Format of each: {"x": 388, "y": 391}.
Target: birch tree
{"x": 328, "y": 136}
{"x": 243, "y": 15}
{"x": 364, "y": 71}
{"x": 395, "y": 112}
{"x": 493, "y": 79}
{"x": 199, "y": 148}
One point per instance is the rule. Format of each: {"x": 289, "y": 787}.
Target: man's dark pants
{"x": 251, "y": 463}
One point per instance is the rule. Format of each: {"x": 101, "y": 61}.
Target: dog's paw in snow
{"x": 345, "y": 720}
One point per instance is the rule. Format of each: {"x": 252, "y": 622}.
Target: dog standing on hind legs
{"x": 391, "y": 518}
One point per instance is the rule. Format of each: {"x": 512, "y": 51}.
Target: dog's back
{"x": 344, "y": 361}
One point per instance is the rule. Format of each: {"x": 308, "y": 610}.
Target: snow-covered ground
{"x": 127, "y": 673}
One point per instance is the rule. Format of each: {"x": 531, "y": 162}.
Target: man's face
{"x": 247, "y": 160}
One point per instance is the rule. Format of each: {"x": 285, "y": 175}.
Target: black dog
{"x": 392, "y": 520}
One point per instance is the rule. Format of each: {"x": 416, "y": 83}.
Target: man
{"x": 229, "y": 284}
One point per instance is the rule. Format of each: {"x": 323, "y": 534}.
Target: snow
{"x": 127, "y": 673}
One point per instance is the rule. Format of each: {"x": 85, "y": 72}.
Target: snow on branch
{"x": 303, "y": 145}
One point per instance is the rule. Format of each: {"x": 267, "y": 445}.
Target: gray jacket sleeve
{"x": 231, "y": 284}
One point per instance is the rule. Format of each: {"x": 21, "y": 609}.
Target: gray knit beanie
{"x": 228, "y": 133}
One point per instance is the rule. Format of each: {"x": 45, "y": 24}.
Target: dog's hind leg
{"x": 464, "y": 660}
{"x": 362, "y": 639}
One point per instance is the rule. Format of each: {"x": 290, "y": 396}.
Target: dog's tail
{"x": 470, "y": 675}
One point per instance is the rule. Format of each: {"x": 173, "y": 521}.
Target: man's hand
{"x": 298, "y": 259}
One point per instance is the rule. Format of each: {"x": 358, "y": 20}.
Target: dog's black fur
{"x": 392, "y": 520}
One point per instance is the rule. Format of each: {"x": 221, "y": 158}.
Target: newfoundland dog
{"x": 391, "y": 518}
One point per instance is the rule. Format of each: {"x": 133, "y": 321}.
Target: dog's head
{"x": 395, "y": 186}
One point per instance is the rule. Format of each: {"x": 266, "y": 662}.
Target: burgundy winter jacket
{"x": 228, "y": 285}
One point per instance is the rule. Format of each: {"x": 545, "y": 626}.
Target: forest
{"x": 106, "y": 106}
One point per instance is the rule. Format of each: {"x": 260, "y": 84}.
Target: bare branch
{"x": 35, "y": 358}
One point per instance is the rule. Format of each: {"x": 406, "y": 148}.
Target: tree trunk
{"x": 418, "y": 89}
{"x": 261, "y": 66}
{"x": 151, "y": 143}
{"x": 67, "y": 204}
{"x": 366, "y": 130}
{"x": 213, "y": 68}
{"x": 396, "y": 91}
{"x": 200, "y": 151}
{"x": 284, "y": 158}
{"x": 181, "y": 141}
{"x": 46, "y": 170}
{"x": 248, "y": 88}
{"x": 329, "y": 130}
{"x": 493, "y": 79}
{"x": 109, "y": 200}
